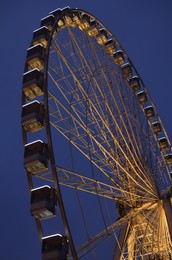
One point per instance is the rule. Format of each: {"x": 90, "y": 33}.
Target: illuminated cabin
{"x": 85, "y": 22}
{"x": 156, "y": 127}
{"x": 32, "y": 116}
{"x": 76, "y": 19}
{"x": 126, "y": 70}
{"x": 33, "y": 83}
{"x": 141, "y": 97}
{"x": 36, "y": 157}
{"x": 134, "y": 83}
{"x": 118, "y": 57}
{"x": 35, "y": 57}
{"x": 48, "y": 21}
{"x": 110, "y": 47}
{"x": 58, "y": 14}
{"x": 93, "y": 30}
{"x": 163, "y": 143}
{"x": 71, "y": 19}
{"x": 65, "y": 10}
{"x": 149, "y": 112}
{"x": 55, "y": 247}
{"x": 41, "y": 36}
{"x": 102, "y": 37}
{"x": 43, "y": 202}
{"x": 61, "y": 24}
{"x": 168, "y": 159}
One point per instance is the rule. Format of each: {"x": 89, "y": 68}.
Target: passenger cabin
{"x": 156, "y": 127}
{"x": 36, "y": 157}
{"x": 69, "y": 20}
{"x": 141, "y": 97}
{"x": 168, "y": 159}
{"x": 163, "y": 143}
{"x": 85, "y": 22}
{"x": 35, "y": 57}
{"x": 60, "y": 13}
{"x": 134, "y": 83}
{"x": 43, "y": 202}
{"x": 41, "y": 36}
{"x": 48, "y": 21}
{"x": 61, "y": 23}
{"x": 93, "y": 30}
{"x": 56, "y": 13}
{"x": 118, "y": 58}
{"x": 102, "y": 37}
{"x": 55, "y": 247}
{"x": 32, "y": 116}
{"x": 110, "y": 47}
{"x": 126, "y": 70}
{"x": 76, "y": 19}
{"x": 65, "y": 10}
{"x": 33, "y": 83}
{"x": 149, "y": 112}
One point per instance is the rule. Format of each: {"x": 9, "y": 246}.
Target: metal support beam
{"x": 168, "y": 214}
{"x": 122, "y": 239}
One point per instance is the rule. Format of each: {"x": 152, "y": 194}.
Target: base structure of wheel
{"x": 97, "y": 157}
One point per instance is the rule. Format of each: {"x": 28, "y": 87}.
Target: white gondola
{"x": 32, "y": 116}
{"x": 110, "y": 47}
{"x": 119, "y": 57}
{"x": 168, "y": 159}
{"x": 102, "y": 37}
{"x": 126, "y": 70}
{"x": 163, "y": 143}
{"x": 85, "y": 22}
{"x": 36, "y": 157}
{"x": 134, "y": 83}
{"x": 41, "y": 36}
{"x": 33, "y": 81}
{"x": 35, "y": 57}
{"x": 93, "y": 30}
{"x": 48, "y": 21}
{"x": 54, "y": 247}
{"x": 149, "y": 112}
{"x": 43, "y": 202}
{"x": 156, "y": 127}
{"x": 141, "y": 97}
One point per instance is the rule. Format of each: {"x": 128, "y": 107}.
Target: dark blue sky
{"x": 144, "y": 30}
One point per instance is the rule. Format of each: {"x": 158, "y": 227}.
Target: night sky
{"x": 143, "y": 28}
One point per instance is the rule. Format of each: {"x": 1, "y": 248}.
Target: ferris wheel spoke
{"x": 93, "y": 186}
{"x": 131, "y": 136}
{"x": 144, "y": 234}
{"x": 121, "y": 241}
{"x": 82, "y": 129}
{"x": 168, "y": 216}
{"x": 99, "y": 238}
{"x": 97, "y": 114}
{"x": 122, "y": 226}
{"x": 144, "y": 237}
{"x": 106, "y": 103}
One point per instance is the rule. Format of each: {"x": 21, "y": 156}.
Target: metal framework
{"x": 105, "y": 144}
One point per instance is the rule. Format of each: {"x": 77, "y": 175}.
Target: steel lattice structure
{"x": 103, "y": 145}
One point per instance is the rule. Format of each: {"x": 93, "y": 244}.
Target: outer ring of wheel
{"x": 48, "y": 130}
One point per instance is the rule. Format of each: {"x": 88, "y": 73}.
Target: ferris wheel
{"x": 97, "y": 157}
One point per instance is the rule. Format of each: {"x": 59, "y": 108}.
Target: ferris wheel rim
{"x": 48, "y": 131}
